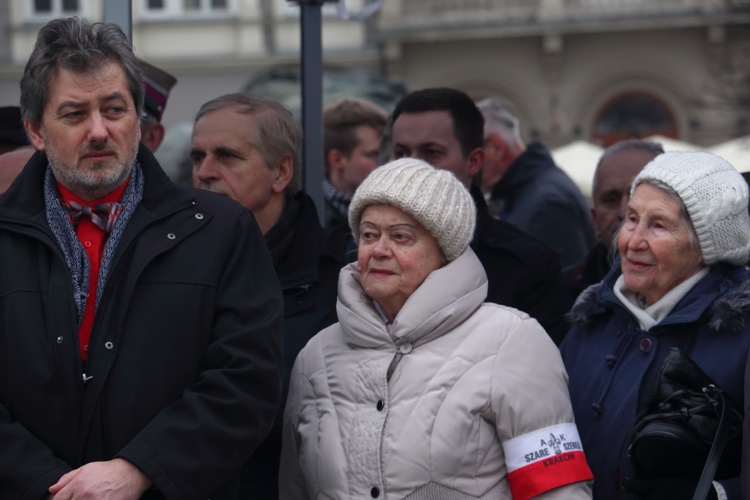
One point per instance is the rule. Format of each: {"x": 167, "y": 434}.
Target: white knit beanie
{"x": 434, "y": 197}
{"x": 716, "y": 198}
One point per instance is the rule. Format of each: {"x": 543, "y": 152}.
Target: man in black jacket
{"x": 140, "y": 323}
{"x": 444, "y": 128}
{"x": 248, "y": 147}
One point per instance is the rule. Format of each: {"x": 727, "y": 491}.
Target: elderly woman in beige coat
{"x": 422, "y": 390}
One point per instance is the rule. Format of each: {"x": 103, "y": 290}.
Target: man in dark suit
{"x": 443, "y": 127}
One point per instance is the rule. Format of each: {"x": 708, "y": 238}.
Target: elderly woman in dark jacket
{"x": 679, "y": 281}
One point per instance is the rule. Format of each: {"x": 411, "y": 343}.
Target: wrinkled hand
{"x": 671, "y": 488}
{"x": 116, "y": 479}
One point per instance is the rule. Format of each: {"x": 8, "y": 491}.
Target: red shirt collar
{"x": 114, "y": 196}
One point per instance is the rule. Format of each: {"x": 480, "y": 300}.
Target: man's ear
{"x": 503, "y": 151}
{"x": 153, "y": 136}
{"x": 34, "y": 131}
{"x": 494, "y": 147}
{"x": 284, "y": 172}
{"x": 335, "y": 159}
{"x": 476, "y": 160}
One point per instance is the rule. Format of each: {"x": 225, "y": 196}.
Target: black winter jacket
{"x": 538, "y": 197}
{"x": 308, "y": 277}
{"x": 522, "y": 271}
{"x": 184, "y": 353}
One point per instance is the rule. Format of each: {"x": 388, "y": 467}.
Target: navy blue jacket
{"x": 543, "y": 201}
{"x": 612, "y": 363}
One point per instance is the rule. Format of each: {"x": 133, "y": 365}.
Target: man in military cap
{"x": 157, "y": 83}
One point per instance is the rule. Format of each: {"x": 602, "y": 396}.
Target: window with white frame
{"x": 188, "y": 8}
{"x": 327, "y": 9}
{"x": 56, "y": 8}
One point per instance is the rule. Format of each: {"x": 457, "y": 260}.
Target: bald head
{"x": 614, "y": 174}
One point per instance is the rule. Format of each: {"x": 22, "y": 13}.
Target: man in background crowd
{"x": 15, "y": 148}
{"x": 158, "y": 83}
{"x": 528, "y": 190}
{"x": 443, "y": 127}
{"x": 615, "y": 171}
{"x": 353, "y": 129}
{"x": 248, "y": 148}
{"x": 12, "y": 134}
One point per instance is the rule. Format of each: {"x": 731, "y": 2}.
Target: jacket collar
{"x": 24, "y": 199}
{"x": 523, "y": 170}
{"x": 723, "y": 296}
{"x": 300, "y": 263}
{"x": 446, "y": 299}
{"x": 483, "y": 215}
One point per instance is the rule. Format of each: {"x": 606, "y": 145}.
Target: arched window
{"x": 633, "y": 115}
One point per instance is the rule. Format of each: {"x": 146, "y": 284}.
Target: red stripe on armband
{"x": 545, "y": 459}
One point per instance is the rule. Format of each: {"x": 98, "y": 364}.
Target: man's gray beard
{"x": 88, "y": 184}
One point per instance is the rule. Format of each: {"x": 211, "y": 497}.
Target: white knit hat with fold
{"x": 433, "y": 197}
{"x": 716, "y": 198}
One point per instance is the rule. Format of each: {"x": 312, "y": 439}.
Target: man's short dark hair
{"x": 468, "y": 122}
{"x": 75, "y": 45}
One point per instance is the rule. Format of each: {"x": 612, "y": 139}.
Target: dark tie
{"x": 103, "y": 215}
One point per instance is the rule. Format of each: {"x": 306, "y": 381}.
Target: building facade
{"x": 598, "y": 70}
{"x": 213, "y": 47}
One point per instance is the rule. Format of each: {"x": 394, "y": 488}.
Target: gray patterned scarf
{"x": 338, "y": 200}
{"x": 72, "y": 249}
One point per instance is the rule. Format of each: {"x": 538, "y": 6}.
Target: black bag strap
{"x": 717, "y": 447}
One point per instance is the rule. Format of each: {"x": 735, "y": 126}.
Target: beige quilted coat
{"x": 423, "y": 411}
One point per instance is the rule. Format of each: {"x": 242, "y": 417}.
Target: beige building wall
{"x": 558, "y": 61}
{"x": 210, "y": 54}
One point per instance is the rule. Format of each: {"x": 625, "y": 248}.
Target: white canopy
{"x": 578, "y": 159}
{"x": 670, "y": 144}
{"x": 736, "y": 152}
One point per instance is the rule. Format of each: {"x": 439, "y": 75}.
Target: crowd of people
{"x": 458, "y": 325}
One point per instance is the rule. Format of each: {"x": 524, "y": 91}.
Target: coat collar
{"x": 25, "y": 197}
{"x": 300, "y": 263}
{"x": 722, "y": 296}
{"x": 525, "y": 169}
{"x": 483, "y": 215}
{"x": 446, "y": 299}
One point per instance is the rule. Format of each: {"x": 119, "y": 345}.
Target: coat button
{"x": 380, "y": 405}
{"x": 374, "y": 492}
{"x": 59, "y": 339}
{"x": 109, "y": 345}
{"x": 199, "y": 216}
{"x": 646, "y": 345}
{"x": 405, "y": 348}
{"x": 171, "y": 236}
